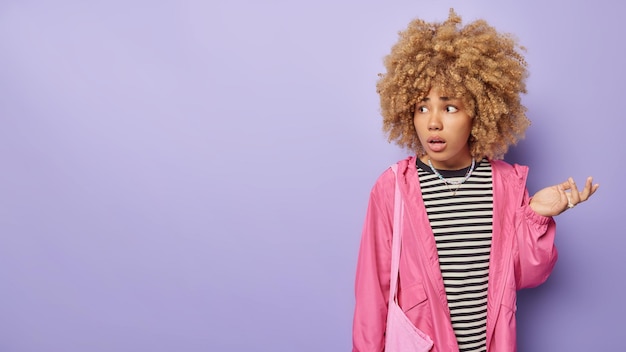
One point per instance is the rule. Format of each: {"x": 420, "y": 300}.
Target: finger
{"x": 584, "y": 195}
{"x": 565, "y": 185}
{"x": 591, "y": 187}
{"x": 565, "y": 196}
{"x": 594, "y": 188}
{"x": 574, "y": 194}
{"x": 561, "y": 189}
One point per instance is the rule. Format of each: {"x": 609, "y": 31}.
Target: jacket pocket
{"x": 411, "y": 296}
{"x": 415, "y": 304}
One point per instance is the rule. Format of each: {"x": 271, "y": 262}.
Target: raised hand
{"x": 556, "y": 199}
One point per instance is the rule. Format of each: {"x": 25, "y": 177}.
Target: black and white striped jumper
{"x": 462, "y": 225}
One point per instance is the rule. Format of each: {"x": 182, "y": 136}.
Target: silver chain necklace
{"x": 453, "y": 183}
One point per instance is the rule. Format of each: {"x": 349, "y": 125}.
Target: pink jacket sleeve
{"x": 373, "y": 269}
{"x": 535, "y": 253}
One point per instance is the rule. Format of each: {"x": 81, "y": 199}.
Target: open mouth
{"x": 436, "y": 144}
{"x": 435, "y": 140}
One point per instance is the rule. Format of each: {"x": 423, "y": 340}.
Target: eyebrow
{"x": 441, "y": 98}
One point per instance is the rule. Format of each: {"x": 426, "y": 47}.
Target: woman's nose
{"x": 434, "y": 123}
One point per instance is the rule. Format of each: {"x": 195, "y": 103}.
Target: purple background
{"x": 193, "y": 176}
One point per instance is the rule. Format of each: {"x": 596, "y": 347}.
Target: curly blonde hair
{"x": 474, "y": 63}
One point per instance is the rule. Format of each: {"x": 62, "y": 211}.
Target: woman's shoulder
{"x": 406, "y": 165}
{"x": 387, "y": 179}
{"x": 506, "y": 169}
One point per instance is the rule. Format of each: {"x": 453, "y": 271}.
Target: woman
{"x": 471, "y": 234}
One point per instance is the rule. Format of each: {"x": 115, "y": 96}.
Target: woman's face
{"x": 443, "y": 128}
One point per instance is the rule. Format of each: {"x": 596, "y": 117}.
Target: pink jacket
{"x": 522, "y": 256}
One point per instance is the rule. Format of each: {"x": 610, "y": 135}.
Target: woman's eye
{"x": 451, "y": 108}
{"x": 422, "y": 109}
